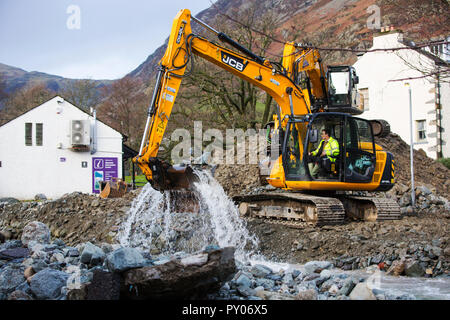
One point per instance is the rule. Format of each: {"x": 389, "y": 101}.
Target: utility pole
{"x": 411, "y": 148}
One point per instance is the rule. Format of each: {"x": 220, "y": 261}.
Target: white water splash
{"x": 152, "y": 223}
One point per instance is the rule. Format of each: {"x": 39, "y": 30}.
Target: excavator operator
{"x": 326, "y": 154}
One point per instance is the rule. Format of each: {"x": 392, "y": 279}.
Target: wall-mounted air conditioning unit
{"x": 80, "y": 132}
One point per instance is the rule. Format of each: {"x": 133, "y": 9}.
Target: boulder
{"x": 397, "y": 268}
{"x": 47, "y": 284}
{"x": 174, "y": 279}
{"x": 123, "y": 259}
{"x": 268, "y": 295}
{"x": 5, "y": 235}
{"x": 9, "y": 200}
{"x": 104, "y": 286}
{"x": 10, "y": 277}
{"x": 308, "y": 294}
{"x": 347, "y": 287}
{"x": 35, "y": 231}
{"x": 40, "y": 197}
{"x": 414, "y": 269}
{"x": 362, "y": 292}
{"x": 92, "y": 255}
{"x": 14, "y": 253}
{"x": 19, "y": 295}
{"x": 260, "y": 271}
{"x": 314, "y": 266}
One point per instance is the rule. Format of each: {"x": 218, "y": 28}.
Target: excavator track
{"x": 371, "y": 208}
{"x": 292, "y": 209}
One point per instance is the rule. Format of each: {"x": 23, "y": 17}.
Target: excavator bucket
{"x": 168, "y": 177}
{"x": 115, "y": 188}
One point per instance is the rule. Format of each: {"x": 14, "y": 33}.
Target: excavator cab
{"x": 343, "y": 95}
{"x": 354, "y": 160}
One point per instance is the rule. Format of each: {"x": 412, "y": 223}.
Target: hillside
{"x": 16, "y": 78}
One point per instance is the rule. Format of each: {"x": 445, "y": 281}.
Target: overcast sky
{"x": 97, "y": 39}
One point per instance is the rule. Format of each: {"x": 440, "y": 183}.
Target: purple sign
{"x": 103, "y": 169}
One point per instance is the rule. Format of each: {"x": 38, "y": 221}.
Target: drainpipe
{"x": 94, "y": 131}
{"x": 411, "y": 149}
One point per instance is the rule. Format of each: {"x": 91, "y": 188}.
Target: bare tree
{"x": 24, "y": 100}
{"x": 83, "y": 93}
{"x": 124, "y": 108}
{"x": 226, "y": 100}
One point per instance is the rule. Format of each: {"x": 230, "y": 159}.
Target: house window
{"x": 28, "y": 134}
{"x": 421, "y": 130}
{"x": 39, "y": 128}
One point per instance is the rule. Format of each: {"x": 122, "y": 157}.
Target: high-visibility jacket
{"x": 331, "y": 149}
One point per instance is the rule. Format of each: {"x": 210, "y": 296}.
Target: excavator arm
{"x": 244, "y": 64}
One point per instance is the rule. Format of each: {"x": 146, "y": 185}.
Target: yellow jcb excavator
{"x": 309, "y": 100}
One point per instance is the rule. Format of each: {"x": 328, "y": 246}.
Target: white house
{"x": 57, "y": 148}
{"x": 383, "y": 78}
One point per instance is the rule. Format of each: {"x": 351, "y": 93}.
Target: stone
{"x": 19, "y": 295}
{"x": 265, "y": 283}
{"x": 246, "y": 291}
{"x": 174, "y": 280}
{"x": 104, "y": 286}
{"x": 40, "y": 197}
{"x": 243, "y": 281}
{"x": 92, "y": 255}
{"x": 5, "y": 235}
{"x": 308, "y": 294}
{"x": 35, "y": 231}
{"x": 334, "y": 289}
{"x": 29, "y": 272}
{"x": 414, "y": 269}
{"x": 14, "y": 253}
{"x": 47, "y": 284}
{"x": 347, "y": 287}
{"x": 195, "y": 260}
{"x": 268, "y": 295}
{"x": 127, "y": 258}
{"x": 9, "y": 200}
{"x": 260, "y": 271}
{"x": 397, "y": 268}
{"x": 362, "y": 292}
{"x": 312, "y": 266}
{"x": 10, "y": 277}
{"x": 78, "y": 293}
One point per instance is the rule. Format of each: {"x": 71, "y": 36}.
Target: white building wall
{"x": 389, "y": 100}
{"x": 28, "y": 170}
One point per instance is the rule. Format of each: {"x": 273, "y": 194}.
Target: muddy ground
{"x": 409, "y": 235}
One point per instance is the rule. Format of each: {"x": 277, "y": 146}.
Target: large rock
{"x": 35, "y": 231}
{"x": 123, "y": 259}
{"x": 92, "y": 255}
{"x": 307, "y": 294}
{"x": 269, "y": 295}
{"x": 47, "y": 284}
{"x": 397, "y": 268}
{"x": 362, "y": 292}
{"x": 314, "y": 266}
{"x": 414, "y": 269}
{"x": 104, "y": 286}
{"x": 177, "y": 280}
{"x": 10, "y": 277}
{"x": 14, "y": 253}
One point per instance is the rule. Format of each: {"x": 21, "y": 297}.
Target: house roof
{"x": 73, "y": 104}
{"x": 438, "y": 61}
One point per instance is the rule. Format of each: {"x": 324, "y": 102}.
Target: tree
{"x": 24, "y": 100}
{"x": 123, "y": 108}
{"x": 224, "y": 99}
{"x": 83, "y": 93}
